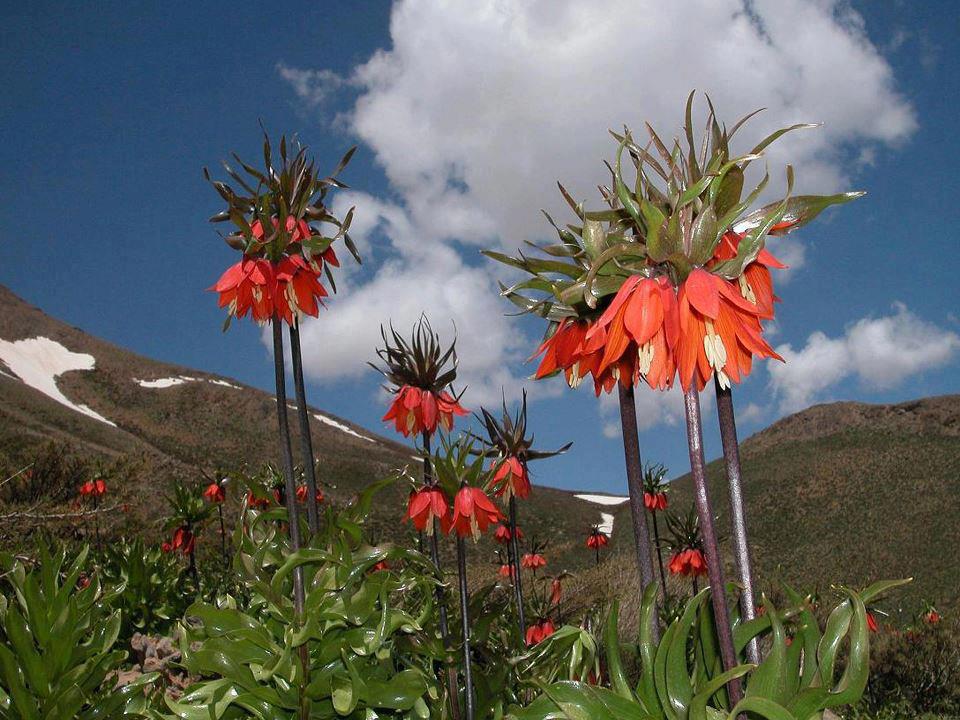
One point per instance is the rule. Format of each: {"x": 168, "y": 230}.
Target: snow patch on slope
{"x": 180, "y": 380}
{"x": 160, "y": 383}
{"x": 606, "y": 519}
{"x": 224, "y": 383}
{"x": 606, "y": 523}
{"x": 39, "y": 361}
{"x": 340, "y": 426}
{"x": 602, "y": 499}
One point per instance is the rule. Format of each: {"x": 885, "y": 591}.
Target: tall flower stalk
{"x": 741, "y": 546}
{"x": 631, "y": 452}
{"x": 669, "y": 282}
{"x": 285, "y": 233}
{"x": 459, "y": 471}
{"x": 655, "y": 501}
{"x": 306, "y": 440}
{"x": 419, "y": 373}
{"x": 510, "y": 451}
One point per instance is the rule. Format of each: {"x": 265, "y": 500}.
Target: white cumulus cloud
{"x": 879, "y": 352}
{"x": 476, "y": 109}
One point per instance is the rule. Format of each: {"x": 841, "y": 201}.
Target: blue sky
{"x": 465, "y": 119}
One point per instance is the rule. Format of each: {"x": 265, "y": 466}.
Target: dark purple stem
{"x": 721, "y": 614}
{"x": 451, "y": 673}
{"x": 306, "y": 441}
{"x": 290, "y": 500}
{"x": 631, "y": 453}
{"x": 517, "y": 581}
{"x": 465, "y": 624}
{"x": 741, "y": 546}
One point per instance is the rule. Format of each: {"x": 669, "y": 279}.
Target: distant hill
{"x": 845, "y": 492}
{"x": 172, "y": 421}
{"x": 850, "y": 493}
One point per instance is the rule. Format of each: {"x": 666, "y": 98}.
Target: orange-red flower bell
{"x": 597, "y": 539}
{"x": 214, "y": 493}
{"x": 720, "y": 331}
{"x": 689, "y": 563}
{"x": 511, "y": 479}
{"x": 533, "y": 561}
{"x": 643, "y": 321}
{"x": 415, "y": 411}
{"x": 503, "y": 536}
{"x": 426, "y": 505}
{"x": 655, "y": 501}
{"x": 539, "y": 631}
{"x": 473, "y": 512}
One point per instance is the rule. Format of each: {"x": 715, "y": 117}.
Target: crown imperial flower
{"x": 473, "y": 513}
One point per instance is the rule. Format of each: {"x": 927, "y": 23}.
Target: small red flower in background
{"x": 83, "y": 582}
{"x": 426, "y": 504}
{"x": 473, "y": 512}
{"x": 214, "y": 493}
{"x": 597, "y": 539}
{"x": 512, "y": 479}
{"x": 690, "y": 563}
{"x": 382, "y": 565}
{"x": 507, "y": 570}
{"x": 257, "y": 502}
{"x": 872, "y": 624}
{"x": 302, "y": 495}
{"x": 93, "y": 488}
{"x": 415, "y": 411}
{"x": 166, "y": 547}
{"x": 503, "y": 535}
{"x": 539, "y": 631}
{"x": 533, "y": 561}
{"x": 556, "y": 591}
{"x": 278, "y": 495}
{"x": 655, "y": 501}
{"x": 183, "y": 540}
{"x": 932, "y": 617}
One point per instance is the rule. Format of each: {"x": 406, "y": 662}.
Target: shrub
{"x": 149, "y": 587}
{"x": 57, "y": 644}
{"x": 918, "y": 669}
{"x": 358, "y": 651}
{"x": 681, "y": 677}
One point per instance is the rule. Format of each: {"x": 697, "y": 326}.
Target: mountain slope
{"x": 850, "y": 493}
{"x": 174, "y": 420}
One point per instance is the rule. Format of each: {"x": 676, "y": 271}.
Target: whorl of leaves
{"x": 293, "y": 189}
{"x": 420, "y": 362}
{"x": 507, "y": 437}
{"x": 667, "y": 220}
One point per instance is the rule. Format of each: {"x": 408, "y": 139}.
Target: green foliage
{"x": 57, "y": 645}
{"x": 187, "y": 507}
{"x": 682, "y": 679}
{"x": 359, "y": 650}
{"x": 150, "y": 596}
{"x": 917, "y": 668}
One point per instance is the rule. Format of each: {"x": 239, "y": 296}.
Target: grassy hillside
{"x": 174, "y": 432}
{"x": 850, "y": 493}
{"x": 845, "y": 492}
